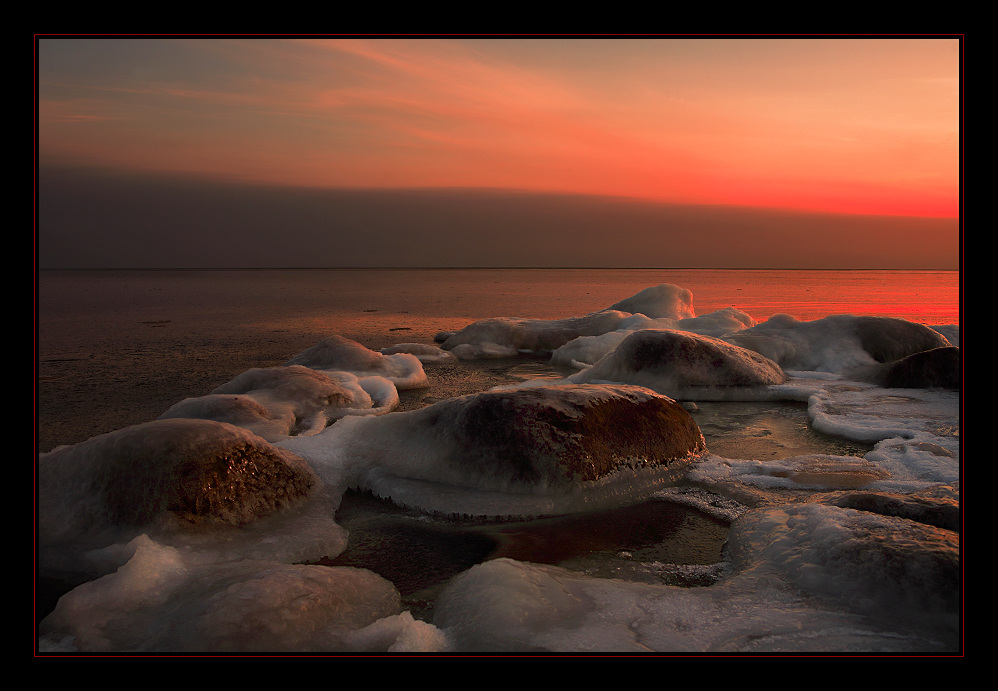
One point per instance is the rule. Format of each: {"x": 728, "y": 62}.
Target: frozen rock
{"x": 191, "y": 471}
{"x": 507, "y": 336}
{"x": 884, "y": 567}
{"x": 937, "y": 506}
{"x": 278, "y": 402}
{"x": 520, "y": 451}
{"x": 664, "y": 300}
{"x": 336, "y": 353}
{"x": 586, "y": 350}
{"x": 162, "y": 601}
{"x": 938, "y": 367}
{"x": 427, "y": 354}
{"x": 677, "y": 363}
{"x": 838, "y": 342}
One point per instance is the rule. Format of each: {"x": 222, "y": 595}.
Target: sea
{"x": 824, "y": 517}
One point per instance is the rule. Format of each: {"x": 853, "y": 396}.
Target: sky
{"x": 684, "y": 143}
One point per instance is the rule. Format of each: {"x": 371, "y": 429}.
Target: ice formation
{"x": 803, "y": 578}
{"x": 664, "y": 304}
{"x": 338, "y": 354}
{"x": 530, "y": 451}
{"x": 197, "y": 482}
{"x": 191, "y": 534}
{"x": 682, "y": 364}
{"x": 279, "y": 402}
{"x": 838, "y": 342}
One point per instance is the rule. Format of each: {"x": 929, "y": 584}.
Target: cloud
{"x": 102, "y": 219}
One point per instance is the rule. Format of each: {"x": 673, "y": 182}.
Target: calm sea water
{"x": 928, "y": 297}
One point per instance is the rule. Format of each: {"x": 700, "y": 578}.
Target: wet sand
{"x": 101, "y": 375}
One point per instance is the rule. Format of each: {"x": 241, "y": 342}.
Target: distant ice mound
{"x": 161, "y": 600}
{"x": 507, "y": 336}
{"x": 539, "y": 450}
{"x": 586, "y": 350}
{"x": 838, "y": 342}
{"x": 181, "y": 477}
{"x": 338, "y": 354}
{"x": 664, "y": 300}
{"x": 682, "y": 365}
{"x": 278, "y": 402}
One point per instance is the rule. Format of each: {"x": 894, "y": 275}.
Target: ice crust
{"x": 810, "y": 574}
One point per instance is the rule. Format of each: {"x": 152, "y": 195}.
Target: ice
{"x": 803, "y": 578}
{"x": 204, "y": 485}
{"x": 682, "y": 365}
{"x": 338, "y": 354}
{"x": 506, "y": 336}
{"x": 836, "y": 343}
{"x": 531, "y": 451}
{"x": 586, "y": 350}
{"x": 503, "y": 605}
{"x": 280, "y": 402}
{"x": 161, "y": 600}
{"x": 826, "y": 553}
{"x": 425, "y": 352}
{"x": 665, "y": 300}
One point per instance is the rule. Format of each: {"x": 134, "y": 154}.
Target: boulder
{"x": 533, "y": 450}
{"x": 182, "y": 470}
{"x": 935, "y": 368}
{"x": 559, "y": 434}
{"x": 339, "y": 354}
{"x": 836, "y": 343}
{"x": 676, "y": 362}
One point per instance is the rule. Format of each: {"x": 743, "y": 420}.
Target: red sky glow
{"x": 823, "y": 124}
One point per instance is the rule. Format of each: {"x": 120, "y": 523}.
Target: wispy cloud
{"x": 709, "y": 122}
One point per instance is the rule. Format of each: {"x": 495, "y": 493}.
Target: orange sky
{"x": 825, "y": 124}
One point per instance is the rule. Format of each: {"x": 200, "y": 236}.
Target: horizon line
{"x": 482, "y": 268}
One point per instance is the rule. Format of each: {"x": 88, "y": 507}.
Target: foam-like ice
{"x": 425, "y": 352}
{"x": 507, "y": 336}
{"x": 682, "y": 364}
{"x": 661, "y": 305}
{"x": 586, "y": 350}
{"x": 803, "y": 578}
{"x": 836, "y": 343}
{"x": 441, "y": 459}
{"x": 161, "y": 600}
{"x": 338, "y": 354}
{"x": 280, "y": 402}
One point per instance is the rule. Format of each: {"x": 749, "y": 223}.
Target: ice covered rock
{"x": 162, "y": 601}
{"x": 681, "y": 364}
{"x": 938, "y": 367}
{"x": 545, "y": 449}
{"x": 837, "y": 342}
{"x": 278, "y": 402}
{"x": 337, "y": 353}
{"x": 938, "y": 506}
{"x": 507, "y": 336}
{"x": 195, "y": 472}
{"x": 664, "y": 300}
{"x": 586, "y": 350}
{"x": 885, "y": 567}
{"x": 427, "y": 353}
